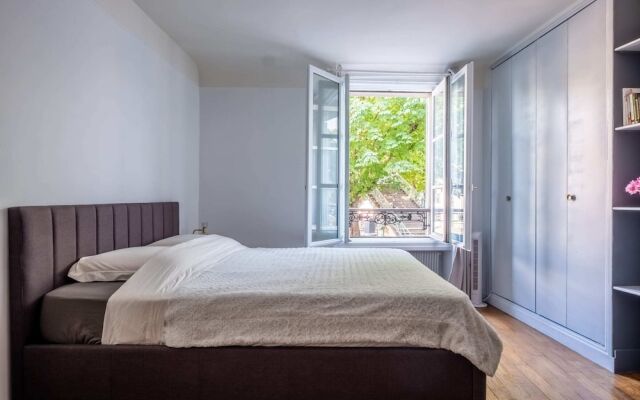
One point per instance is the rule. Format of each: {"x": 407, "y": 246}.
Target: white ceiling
{"x": 270, "y": 42}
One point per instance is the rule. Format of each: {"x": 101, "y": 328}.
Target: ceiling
{"x": 270, "y": 42}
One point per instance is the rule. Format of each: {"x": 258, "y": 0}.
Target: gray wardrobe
{"x": 549, "y": 175}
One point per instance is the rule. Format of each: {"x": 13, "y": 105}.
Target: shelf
{"x": 626, "y": 208}
{"x": 631, "y": 46}
{"x": 632, "y": 127}
{"x": 634, "y": 290}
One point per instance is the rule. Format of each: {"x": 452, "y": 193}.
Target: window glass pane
{"x": 438, "y": 187}
{"x": 329, "y": 210}
{"x": 324, "y": 159}
{"x": 438, "y": 162}
{"x": 438, "y": 197}
{"x": 457, "y": 159}
{"x": 439, "y": 115}
{"x": 330, "y": 161}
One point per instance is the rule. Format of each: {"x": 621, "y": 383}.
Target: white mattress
{"x": 213, "y": 291}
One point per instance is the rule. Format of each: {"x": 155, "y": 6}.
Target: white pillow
{"x": 117, "y": 265}
{"x": 174, "y": 240}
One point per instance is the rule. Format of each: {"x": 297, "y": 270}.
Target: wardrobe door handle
{"x": 571, "y": 197}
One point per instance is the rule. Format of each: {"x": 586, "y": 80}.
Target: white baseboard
{"x": 581, "y": 345}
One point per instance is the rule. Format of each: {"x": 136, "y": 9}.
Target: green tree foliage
{"x": 386, "y": 142}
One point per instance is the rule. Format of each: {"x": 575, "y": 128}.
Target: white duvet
{"x": 213, "y": 291}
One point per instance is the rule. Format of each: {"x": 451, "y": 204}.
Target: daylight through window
{"x": 388, "y": 165}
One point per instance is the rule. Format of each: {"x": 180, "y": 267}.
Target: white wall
{"x": 94, "y": 108}
{"x": 252, "y": 164}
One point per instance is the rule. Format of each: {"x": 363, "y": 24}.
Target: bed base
{"x": 101, "y": 372}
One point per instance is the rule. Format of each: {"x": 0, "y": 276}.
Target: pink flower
{"x": 633, "y": 187}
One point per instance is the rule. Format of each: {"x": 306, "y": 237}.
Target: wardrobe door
{"x": 587, "y": 161}
{"x": 502, "y": 280}
{"x": 523, "y": 111}
{"x": 551, "y": 176}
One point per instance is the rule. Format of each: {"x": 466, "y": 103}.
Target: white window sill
{"x": 409, "y": 244}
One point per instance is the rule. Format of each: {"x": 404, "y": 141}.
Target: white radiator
{"x": 476, "y": 270}
{"x": 466, "y": 271}
{"x": 431, "y": 259}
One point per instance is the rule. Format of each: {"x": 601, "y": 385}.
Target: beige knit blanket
{"x": 214, "y": 291}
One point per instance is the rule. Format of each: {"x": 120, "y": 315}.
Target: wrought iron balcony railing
{"x": 389, "y": 222}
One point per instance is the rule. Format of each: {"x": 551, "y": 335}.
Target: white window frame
{"x": 465, "y": 73}
{"x": 342, "y": 216}
{"x": 442, "y": 87}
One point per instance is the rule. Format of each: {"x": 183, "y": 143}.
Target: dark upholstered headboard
{"x": 45, "y": 241}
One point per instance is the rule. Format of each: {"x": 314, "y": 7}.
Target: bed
{"x": 46, "y": 241}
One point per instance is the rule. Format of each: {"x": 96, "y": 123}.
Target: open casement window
{"x": 460, "y": 128}
{"x": 438, "y": 161}
{"x": 326, "y": 159}
{"x": 450, "y": 151}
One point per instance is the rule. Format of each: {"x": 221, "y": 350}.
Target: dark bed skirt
{"x": 158, "y": 372}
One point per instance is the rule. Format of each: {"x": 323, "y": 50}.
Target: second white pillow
{"x": 117, "y": 265}
{"x": 174, "y": 240}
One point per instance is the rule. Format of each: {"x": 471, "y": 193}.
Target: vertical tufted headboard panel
{"x": 44, "y": 242}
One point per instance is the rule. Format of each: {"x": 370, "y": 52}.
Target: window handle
{"x": 508, "y": 198}
{"x": 571, "y": 197}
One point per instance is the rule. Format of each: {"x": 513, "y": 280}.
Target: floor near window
{"x": 534, "y": 366}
